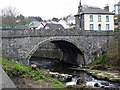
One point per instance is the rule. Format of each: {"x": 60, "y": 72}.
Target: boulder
{"x": 105, "y": 83}
{"x": 96, "y": 85}
{"x": 61, "y": 77}
{"x": 33, "y": 66}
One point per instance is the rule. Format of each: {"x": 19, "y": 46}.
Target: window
{"x": 91, "y": 26}
{"x": 99, "y": 27}
{"x": 118, "y": 9}
{"x": 99, "y": 18}
{"x": 91, "y": 18}
{"x": 107, "y": 27}
{"x": 107, "y": 18}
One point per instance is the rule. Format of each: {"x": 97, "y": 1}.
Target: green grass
{"x": 14, "y": 69}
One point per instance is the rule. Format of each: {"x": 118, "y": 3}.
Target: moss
{"x": 58, "y": 83}
{"x": 98, "y": 60}
{"x": 108, "y": 76}
{"x": 95, "y": 73}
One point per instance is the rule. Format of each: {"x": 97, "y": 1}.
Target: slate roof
{"x": 118, "y": 4}
{"x": 55, "y": 26}
{"x": 38, "y": 19}
{"x": 95, "y": 10}
{"x": 34, "y": 24}
{"x": 71, "y": 18}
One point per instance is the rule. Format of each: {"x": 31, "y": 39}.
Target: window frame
{"x": 99, "y": 18}
{"x": 91, "y": 18}
{"x": 91, "y": 27}
{"x": 107, "y": 27}
{"x": 107, "y": 18}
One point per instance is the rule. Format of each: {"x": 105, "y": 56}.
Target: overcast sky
{"x": 48, "y": 9}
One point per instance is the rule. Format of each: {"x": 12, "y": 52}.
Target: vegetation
{"x": 116, "y": 29}
{"x": 110, "y": 58}
{"x": 118, "y": 15}
{"x": 8, "y": 17}
{"x": 12, "y": 19}
{"x": 14, "y": 69}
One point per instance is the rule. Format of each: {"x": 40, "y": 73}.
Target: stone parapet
{"x": 38, "y": 33}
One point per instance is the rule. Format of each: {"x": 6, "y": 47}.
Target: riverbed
{"x": 60, "y": 70}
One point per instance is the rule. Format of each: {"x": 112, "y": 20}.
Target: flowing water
{"x": 78, "y": 77}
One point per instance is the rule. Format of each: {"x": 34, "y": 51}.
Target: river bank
{"x": 76, "y": 78}
{"x": 28, "y": 77}
{"x": 112, "y": 76}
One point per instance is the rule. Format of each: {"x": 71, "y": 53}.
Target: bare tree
{"x": 9, "y": 11}
{"x": 9, "y": 17}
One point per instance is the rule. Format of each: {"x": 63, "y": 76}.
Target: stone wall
{"x": 44, "y": 33}
{"x": 48, "y": 50}
{"x": 20, "y": 45}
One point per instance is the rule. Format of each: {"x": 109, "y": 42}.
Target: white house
{"x": 117, "y": 8}
{"x": 71, "y": 20}
{"x": 64, "y": 24}
{"x": 37, "y": 25}
{"x": 93, "y": 18}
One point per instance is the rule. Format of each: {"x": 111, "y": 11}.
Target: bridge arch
{"x": 73, "y": 48}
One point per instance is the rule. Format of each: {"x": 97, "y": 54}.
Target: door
{"x": 99, "y": 27}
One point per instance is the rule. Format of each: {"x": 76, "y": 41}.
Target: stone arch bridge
{"x": 78, "y": 47}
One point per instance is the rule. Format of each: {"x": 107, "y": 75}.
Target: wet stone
{"x": 106, "y": 84}
{"x": 96, "y": 85}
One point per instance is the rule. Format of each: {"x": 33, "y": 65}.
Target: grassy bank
{"x": 17, "y": 70}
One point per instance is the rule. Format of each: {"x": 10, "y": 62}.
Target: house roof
{"x": 71, "y": 18}
{"x": 63, "y": 23}
{"x": 54, "y": 26}
{"x": 37, "y": 18}
{"x": 95, "y": 10}
{"x": 118, "y": 4}
{"x": 34, "y": 24}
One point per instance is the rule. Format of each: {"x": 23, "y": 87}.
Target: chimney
{"x": 115, "y": 1}
{"x": 80, "y": 7}
{"x": 106, "y": 7}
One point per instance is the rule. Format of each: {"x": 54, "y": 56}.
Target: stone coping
{"x": 38, "y": 33}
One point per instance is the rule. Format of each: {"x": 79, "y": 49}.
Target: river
{"x": 78, "y": 77}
